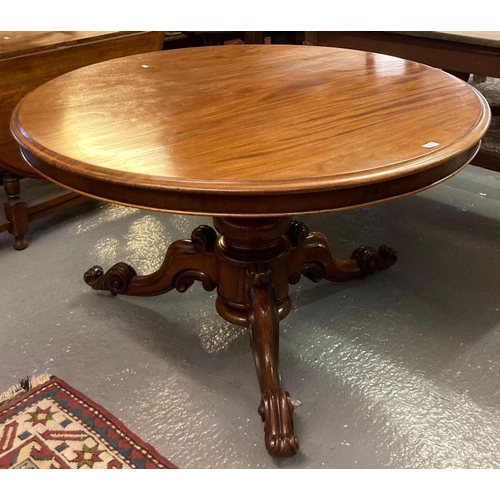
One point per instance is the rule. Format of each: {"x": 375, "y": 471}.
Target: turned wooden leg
{"x": 276, "y": 408}
{"x": 185, "y": 262}
{"x": 16, "y": 211}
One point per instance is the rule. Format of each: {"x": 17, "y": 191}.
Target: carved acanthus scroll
{"x": 312, "y": 257}
{"x": 185, "y": 262}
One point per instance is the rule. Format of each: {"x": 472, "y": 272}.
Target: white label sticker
{"x": 430, "y": 145}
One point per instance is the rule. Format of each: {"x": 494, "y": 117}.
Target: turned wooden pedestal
{"x": 251, "y": 263}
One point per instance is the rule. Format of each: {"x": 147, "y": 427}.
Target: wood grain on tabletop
{"x": 256, "y": 120}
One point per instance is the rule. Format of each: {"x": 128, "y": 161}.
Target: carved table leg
{"x": 256, "y": 259}
{"x": 312, "y": 257}
{"x": 16, "y": 211}
{"x": 276, "y": 408}
{"x": 185, "y": 262}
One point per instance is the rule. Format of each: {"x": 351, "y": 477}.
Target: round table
{"x": 252, "y": 135}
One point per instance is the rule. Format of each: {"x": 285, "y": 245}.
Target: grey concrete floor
{"x": 400, "y": 370}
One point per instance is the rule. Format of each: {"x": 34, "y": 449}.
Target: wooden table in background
{"x": 29, "y": 59}
{"x": 251, "y": 135}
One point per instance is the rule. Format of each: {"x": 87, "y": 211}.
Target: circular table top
{"x": 251, "y": 130}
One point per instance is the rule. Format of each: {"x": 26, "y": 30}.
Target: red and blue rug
{"x": 46, "y": 424}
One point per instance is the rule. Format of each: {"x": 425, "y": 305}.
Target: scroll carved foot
{"x": 276, "y": 410}
{"x": 185, "y": 262}
{"x": 116, "y": 280}
{"x": 312, "y": 257}
{"x": 371, "y": 261}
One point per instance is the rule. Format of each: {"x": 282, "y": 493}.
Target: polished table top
{"x": 251, "y": 129}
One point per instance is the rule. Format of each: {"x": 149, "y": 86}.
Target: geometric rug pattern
{"x": 53, "y": 426}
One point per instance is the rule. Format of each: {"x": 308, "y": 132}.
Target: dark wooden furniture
{"x": 29, "y": 59}
{"x": 460, "y": 53}
{"x": 251, "y": 135}
{"x": 185, "y": 39}
{"x": 276, "y": 37}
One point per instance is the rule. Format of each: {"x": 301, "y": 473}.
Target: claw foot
{"x": 276, "y": 410}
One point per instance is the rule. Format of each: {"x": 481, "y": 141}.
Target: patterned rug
{"x": 46, "y": 424}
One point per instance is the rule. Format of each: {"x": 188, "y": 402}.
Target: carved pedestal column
{"x": 253, "y": 257}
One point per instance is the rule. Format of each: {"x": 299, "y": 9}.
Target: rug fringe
{"x": 24, "y": 385}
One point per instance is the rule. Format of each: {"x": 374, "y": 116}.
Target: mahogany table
{"x": 251, "y": 135}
